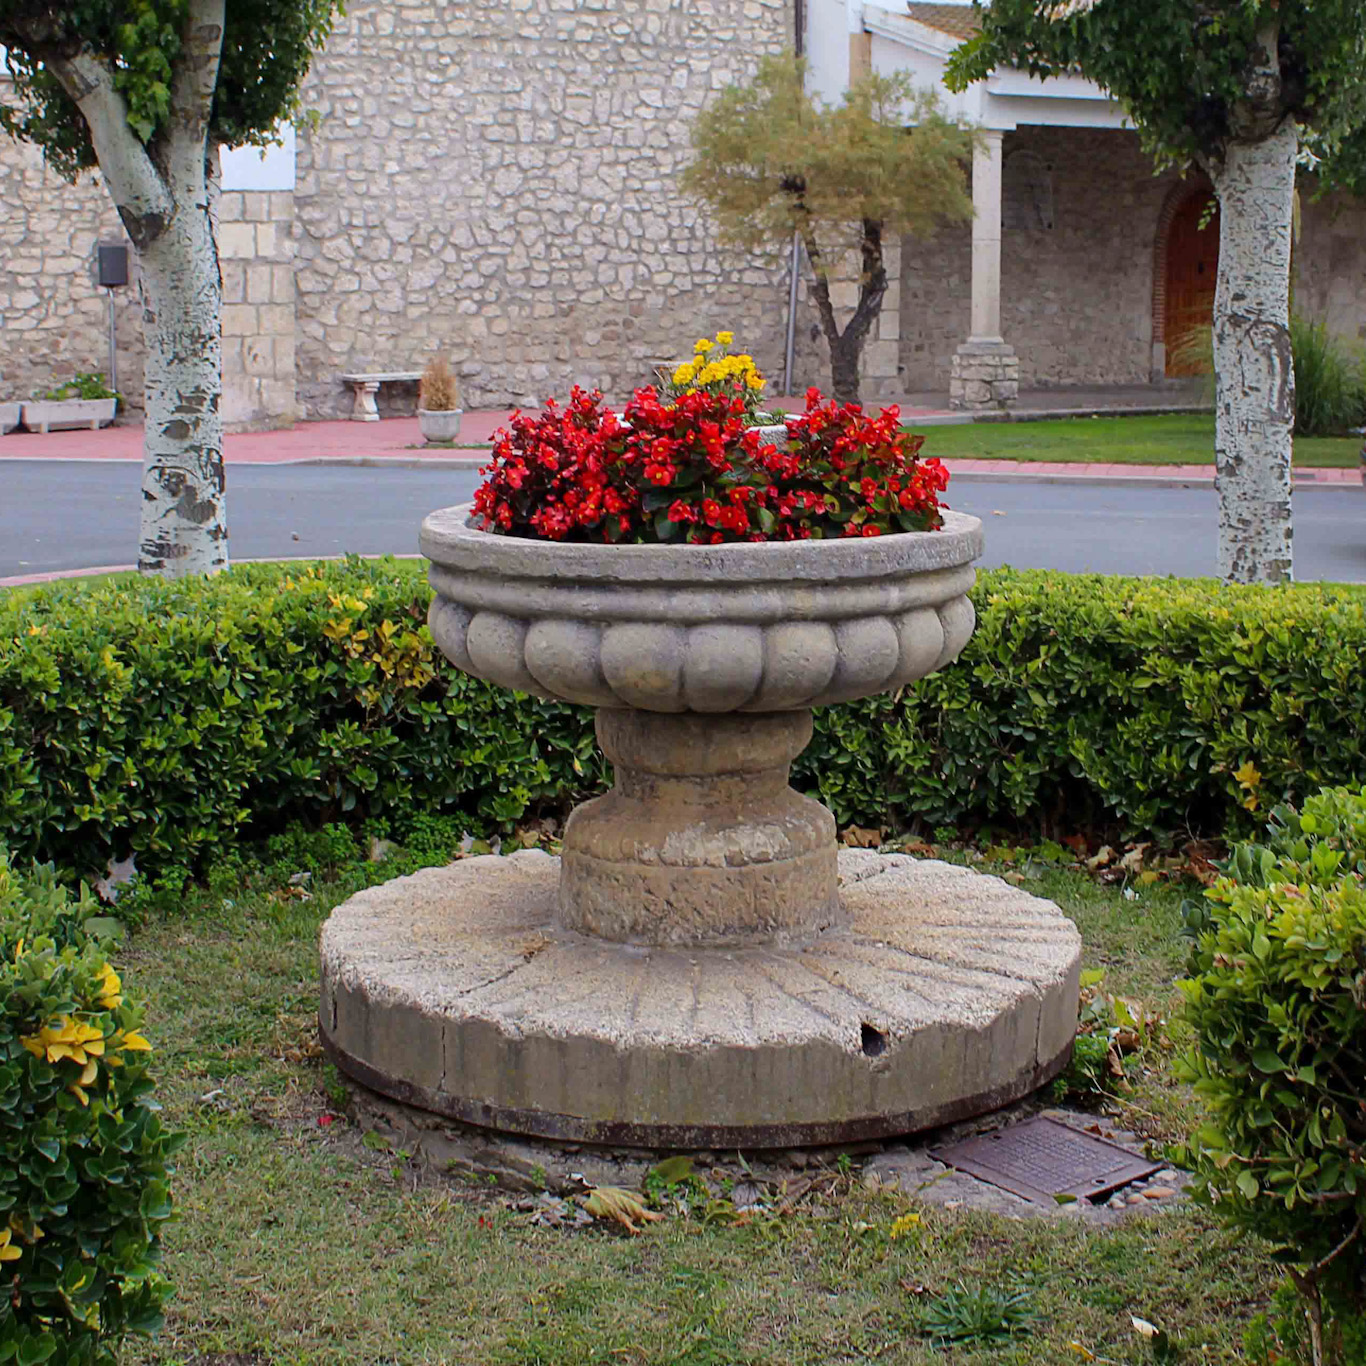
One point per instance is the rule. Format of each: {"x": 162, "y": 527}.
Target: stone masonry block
{"x": 239, "y": 320}
{"x": 236, "y": 241}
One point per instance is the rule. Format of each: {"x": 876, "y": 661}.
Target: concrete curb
{"x": 1124, "y": 481}
{"x": 1011, "y": 471}
{"x": 58, "y": 575}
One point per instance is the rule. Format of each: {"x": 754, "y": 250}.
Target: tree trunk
{"x": 1253, "y": 366}
{"x": 846, "y": 348}
{"x": 161, "y": 191}
{"x": 184, "y": 525}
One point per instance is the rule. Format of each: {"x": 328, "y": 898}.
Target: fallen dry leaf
{"x": 620, "y": 1206}
{"x": 1101, "y": 859}
{"x": 861, "y": 837}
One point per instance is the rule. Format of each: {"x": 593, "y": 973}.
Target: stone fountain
{"x": 701, "y": 967}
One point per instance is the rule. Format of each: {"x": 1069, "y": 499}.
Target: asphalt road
{"x": 63, "y": 515}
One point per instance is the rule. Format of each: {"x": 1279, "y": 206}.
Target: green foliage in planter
{"x": 84, "y": 1181}
{"x": 83, "y": 386}
{"x": 169, "y": 718}
{"x": 1277, "y": 1002}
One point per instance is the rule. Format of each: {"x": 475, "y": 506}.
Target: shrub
{"x": 168, "y": 718}
{"x": 171, "y": 718}
{"x": 436, "y": 391}
{"x": 83, "y": 1154}
{"x": 1277, "y": 1002}
{"x": 1330, "y": 392}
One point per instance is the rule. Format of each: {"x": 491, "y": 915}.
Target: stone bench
{"x": 367, "y": 386}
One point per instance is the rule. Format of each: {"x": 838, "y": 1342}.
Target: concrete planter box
{"x": 9, "y": 417}
{"x": 441, "y": 424}
{"x": 57, "y": 415}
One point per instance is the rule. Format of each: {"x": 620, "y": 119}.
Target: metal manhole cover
{"x": 1041, "y": 1159}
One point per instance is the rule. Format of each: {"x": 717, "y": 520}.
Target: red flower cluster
{"x": 692, "y": 470}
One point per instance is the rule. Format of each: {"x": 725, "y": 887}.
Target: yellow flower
{"x": 110, "y": 997}
{"x": 702, "y": 346}
{"x": 725, "y": 338}
{"x": 902, "y": 1226}
{"x": 755, "y": 381}
{"x": 684, "y": 373}
{"x": 68, "y": 1038}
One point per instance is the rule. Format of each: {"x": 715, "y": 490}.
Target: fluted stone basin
{"x": 715, "y": 975}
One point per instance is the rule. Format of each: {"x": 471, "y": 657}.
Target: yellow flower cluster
{"x": 69, "y": 1039}
{"x": 704, "y": 371}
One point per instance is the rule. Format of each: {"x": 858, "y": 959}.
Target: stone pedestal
{"x": 984, "y": 374}
{"x": 701, "y": 841}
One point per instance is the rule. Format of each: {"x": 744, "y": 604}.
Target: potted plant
{"x": 84, "y": 401}
{"x": 438, "y": 411}
{"x": 683, "y": 575}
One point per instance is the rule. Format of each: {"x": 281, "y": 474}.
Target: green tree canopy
{"x": 770, "y": 160}
{"x": 266, "y": 48}
{"x": 1189, "y": 71}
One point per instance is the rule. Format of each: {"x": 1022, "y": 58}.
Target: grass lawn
{"x": 1165, "y": 439}
{"x": 296, "y": 1244}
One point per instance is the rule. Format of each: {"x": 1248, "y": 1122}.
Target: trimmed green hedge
{"x": 167, "y": 718}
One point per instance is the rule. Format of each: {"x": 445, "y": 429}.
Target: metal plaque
{"x": 1041, "y": 1159}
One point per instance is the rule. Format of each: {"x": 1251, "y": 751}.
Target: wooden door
{"x": 1192, "y": 268}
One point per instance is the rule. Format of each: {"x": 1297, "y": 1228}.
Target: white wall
{"x": 254, "y": 168}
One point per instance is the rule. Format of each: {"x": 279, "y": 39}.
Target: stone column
{"x": 986, "y": 370}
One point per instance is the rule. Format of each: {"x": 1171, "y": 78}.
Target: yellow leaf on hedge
{"x": 135, "y": 1043}
{"x": 1248, "y": 776}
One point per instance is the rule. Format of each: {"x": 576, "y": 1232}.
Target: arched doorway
{"x": 1192, "y": 268}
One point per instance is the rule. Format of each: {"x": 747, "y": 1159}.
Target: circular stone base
{"x": 946, "y": 994}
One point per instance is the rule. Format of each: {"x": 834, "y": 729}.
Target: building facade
{"x": 495, "y": 180}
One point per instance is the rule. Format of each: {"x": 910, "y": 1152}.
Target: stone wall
{"x": 256, "y": 253}
{"x": 1330, "y": 263}
{"x": 53, "y": 317}
{"x": 495, "y": 181}
{"x": 1076, "y": 296}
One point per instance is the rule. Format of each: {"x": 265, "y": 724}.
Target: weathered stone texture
{"x": 1330, "y": 263}
{"x": 497, "y": 181}
{"x": 256, "y": 254}
{"x": 1076, "y": 299}
{"x": 53, "y": 317}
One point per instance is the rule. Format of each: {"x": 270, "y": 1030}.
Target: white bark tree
{"x": 164, "y": 205}
{"x": 149, "y": 95}
{"x": 1228, "y": 85}
{"x": 1254, "y": 370}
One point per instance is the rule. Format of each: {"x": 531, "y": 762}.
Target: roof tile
{"x": 958, "y": 21}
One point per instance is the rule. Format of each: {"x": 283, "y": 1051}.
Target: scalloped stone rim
{"x": 771, "y": 626}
